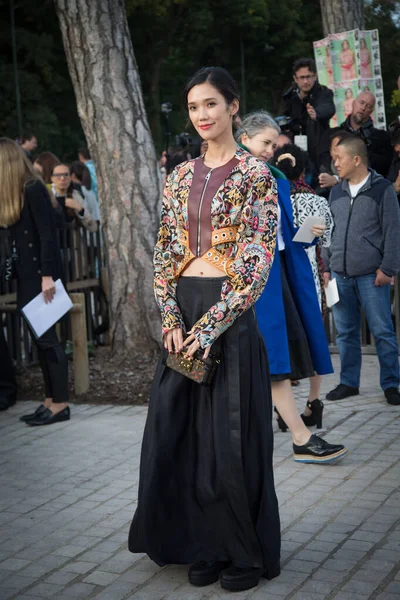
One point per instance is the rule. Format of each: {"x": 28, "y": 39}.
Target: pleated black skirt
{"x": 206, "y": 489}
{"x": 301, "y": 363}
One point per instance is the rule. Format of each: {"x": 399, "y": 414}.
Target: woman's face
{"x": 349, "y": 94}
{"x": 61, "y": 178}
{"x": 263, "y": 144}
{"x": 209, "y": 113}
{"x": 345, "y": 45}
{"x": 363, "y": 44}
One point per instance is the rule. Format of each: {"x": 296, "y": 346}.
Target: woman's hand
{"x": 74, "y": 204}
{"x": 326, "y": 180}
{"x": 173, "y": 340}
{"x": 193, "y": 345}
{"x": 318, "y": 230}
{"x": 48, "y": 289}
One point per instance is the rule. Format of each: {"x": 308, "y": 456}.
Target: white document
{"x": 332, "y": 293}
{"x": 301, "y": 141}
{"x": 42, "y": 316}
{"x": 305, "y": 234}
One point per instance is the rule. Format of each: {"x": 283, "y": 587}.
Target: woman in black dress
{"x": 26, "y": 209}
{"x": 206, "y": 491}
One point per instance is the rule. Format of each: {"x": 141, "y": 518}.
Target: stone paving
{"x": 68, "y": 492}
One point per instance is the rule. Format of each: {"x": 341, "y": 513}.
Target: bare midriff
{"x": 201, "y": 268}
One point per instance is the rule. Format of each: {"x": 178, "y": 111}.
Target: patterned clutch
{"x": 194, "y": 367}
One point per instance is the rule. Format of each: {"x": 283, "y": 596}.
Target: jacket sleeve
{"x": 324, "y": 105}
{"x": 41, "y": 210}
{"x": 390, "y": 223}
{"x": 165, "y": 281}
{"x": 256, "y": 246}
{"x": 324, "y": 211}
{"x": 86, "y": 219}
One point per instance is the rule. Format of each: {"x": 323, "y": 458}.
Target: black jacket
{"x": 321, "y": 99}
{"x": 380, "y": 151}
{"x": 36, "y": 242}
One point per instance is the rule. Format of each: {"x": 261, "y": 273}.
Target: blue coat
{"x": 269, "y": 308}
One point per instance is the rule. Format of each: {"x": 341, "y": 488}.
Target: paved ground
{"x": 68, "y": 492}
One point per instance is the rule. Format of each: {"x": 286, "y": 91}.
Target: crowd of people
{"x": 241, "y": 303}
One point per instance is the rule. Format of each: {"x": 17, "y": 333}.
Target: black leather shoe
{"x": 47, "y": 417}
{"x": 342, "y": 391}
{"x": 317, "y": 408}
{"x": 205, "y": 573}
{"x": 7, "y": 401}
{"x": 41, "y": 408}
{"x": 318, "y": 451}
{"x": 392, "y": 396}
{"x": 238, "y": 579}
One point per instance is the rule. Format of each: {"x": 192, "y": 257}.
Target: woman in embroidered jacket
{"x": 288, "y": 311}
{"x": 206, "y": 491}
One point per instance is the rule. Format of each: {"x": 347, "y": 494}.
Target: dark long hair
{"x": 80, "y": 170}
{"x": 219, "y": 78}
{"x": 47, "y": 160}
{"x": 285, "y": 165}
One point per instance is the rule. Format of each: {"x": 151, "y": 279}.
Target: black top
{"x": 321, "y": 99}
{"x": 36, "y": 239}
{"x": 379, "y": 149}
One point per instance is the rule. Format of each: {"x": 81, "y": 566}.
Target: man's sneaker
{"x": 342, "y": 391}
{"x": 392, "y": 396}
{"x": 318, "y": 451}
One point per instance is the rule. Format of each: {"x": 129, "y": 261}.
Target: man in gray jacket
{"x": 363, "y": 257}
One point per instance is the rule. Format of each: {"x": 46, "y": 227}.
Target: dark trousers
{"x": 54, "y": 364}
{"x": 8, "y": 385}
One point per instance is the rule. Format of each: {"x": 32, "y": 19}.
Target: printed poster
{"x": 349, "y": 63}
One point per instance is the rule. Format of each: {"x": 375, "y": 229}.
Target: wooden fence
{"x": 83, "y": 261}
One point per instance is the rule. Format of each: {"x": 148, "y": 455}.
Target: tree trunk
{"x": 342, "y": 15}
{"x": 108, "y": 92}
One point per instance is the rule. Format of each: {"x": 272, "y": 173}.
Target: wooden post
{"x": 79, "y": 343}
{"x": 105, "y": 283}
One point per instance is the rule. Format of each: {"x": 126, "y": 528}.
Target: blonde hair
{"x": 15, "y": 172}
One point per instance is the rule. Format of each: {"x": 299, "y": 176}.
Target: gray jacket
{"x": 366, "y": 232}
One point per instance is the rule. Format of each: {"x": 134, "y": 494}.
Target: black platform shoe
{"x": 47, "y": 418}
{"x": 318, "y": 451}
{"x": 41, "y": 408}
{"x": 281, "y": 423}
{"x": 317, "y": 408}
{"x": 205, "y": 573}
{"x": 238, "y": 579}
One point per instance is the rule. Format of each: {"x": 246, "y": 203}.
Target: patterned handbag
{"x": 198, "y": 369}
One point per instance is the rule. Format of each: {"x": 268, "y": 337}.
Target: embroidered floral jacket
{"x": 244, "y": 215}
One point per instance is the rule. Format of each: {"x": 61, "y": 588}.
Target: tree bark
{"x": 342, "y": 15}
{"x": 108, "y": 92}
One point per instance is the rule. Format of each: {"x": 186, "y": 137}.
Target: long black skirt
{"x": 301, "y": 364}
{"x": 206, "y": 489}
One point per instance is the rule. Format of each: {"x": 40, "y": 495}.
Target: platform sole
{"x": 307, "y": 458}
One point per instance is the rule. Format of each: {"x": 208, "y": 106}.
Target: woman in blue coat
{"x": 288, "y": 311}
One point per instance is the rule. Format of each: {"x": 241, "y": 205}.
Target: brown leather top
{"x": 199, "y": 217}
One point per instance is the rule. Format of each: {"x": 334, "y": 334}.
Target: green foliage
{"x": 172, "y": 39}
{"x": 47, "y": 97}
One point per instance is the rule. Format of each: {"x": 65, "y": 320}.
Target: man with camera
{"x": 309, "y": 106}
{"x": 359, "y": 123}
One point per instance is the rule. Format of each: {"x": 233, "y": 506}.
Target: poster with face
{"x": 349, "y": 63}
{"x": 322, "y": 54}
{"x": 345, "y": 55}
{"x": 344, "y": 96}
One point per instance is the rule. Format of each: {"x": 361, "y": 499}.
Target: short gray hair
{"x": 255, "y": 122}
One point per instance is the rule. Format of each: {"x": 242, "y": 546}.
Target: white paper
{"x": 331, "y": 293}
{"x": 305, "y": 234}
{"x": 301, "y": 141}
{"x": 42, "y": 316}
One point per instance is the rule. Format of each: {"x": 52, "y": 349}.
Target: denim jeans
{"x": 356, "y": 293}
